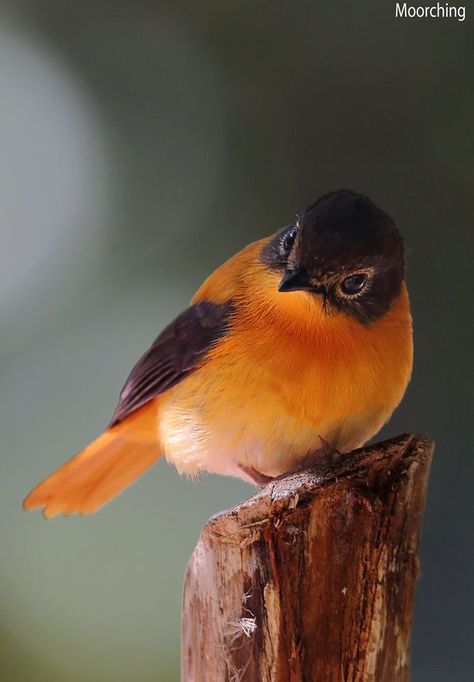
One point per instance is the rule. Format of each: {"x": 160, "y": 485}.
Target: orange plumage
{"x": 102, "y": 470}
{"x": 251, "y": 380}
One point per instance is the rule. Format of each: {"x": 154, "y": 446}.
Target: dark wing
{"x": 176, "y": 352}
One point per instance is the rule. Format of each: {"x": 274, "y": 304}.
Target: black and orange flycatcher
{"x": 301, "y": 340}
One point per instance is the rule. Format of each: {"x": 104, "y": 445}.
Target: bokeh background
{"x": 142, "y": 143}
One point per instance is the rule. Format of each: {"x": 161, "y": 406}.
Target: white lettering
{"x": 438, "y": 11}
{"x": 401, "y": 11}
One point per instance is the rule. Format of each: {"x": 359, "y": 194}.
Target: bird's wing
{"x": 177, "y": 351}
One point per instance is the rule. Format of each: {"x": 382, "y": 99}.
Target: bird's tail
{"x": 102, "y": 470}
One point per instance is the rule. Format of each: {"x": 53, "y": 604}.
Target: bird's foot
{"x": 327, "y": 457}
{"x": 327, "y": 453}
{"x": 257, "y": 477}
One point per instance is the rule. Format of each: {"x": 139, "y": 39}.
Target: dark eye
{"x": 353, "y": 284}
{"x": 289, "y": 239}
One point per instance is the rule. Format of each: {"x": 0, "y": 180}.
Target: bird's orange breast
{"x": 287, "y": 374}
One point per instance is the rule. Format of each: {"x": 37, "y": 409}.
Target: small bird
{"x": 300, "y": 343}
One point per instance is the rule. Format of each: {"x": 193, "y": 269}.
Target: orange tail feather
{"x": 102, "y": 470}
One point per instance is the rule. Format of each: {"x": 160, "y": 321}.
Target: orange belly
{"x": 275, "y": 386}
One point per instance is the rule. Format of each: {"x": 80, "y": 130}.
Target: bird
{"x": 299, "y": 344}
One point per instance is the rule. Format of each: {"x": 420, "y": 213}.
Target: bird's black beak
{"x": 294, "y": 280}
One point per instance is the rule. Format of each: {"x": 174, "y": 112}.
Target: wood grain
{"x": 313, "y": 578}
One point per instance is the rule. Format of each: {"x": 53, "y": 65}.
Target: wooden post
{"x": 313, "y": 578}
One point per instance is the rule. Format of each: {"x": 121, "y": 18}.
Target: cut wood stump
{"x": 313, "y": 578}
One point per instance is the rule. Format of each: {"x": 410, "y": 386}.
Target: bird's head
{"x": 344, "y": 249}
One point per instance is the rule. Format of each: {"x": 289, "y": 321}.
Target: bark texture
{"x": 313, "y": 578}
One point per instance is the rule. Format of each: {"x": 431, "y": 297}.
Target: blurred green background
{"x": 142, "y": 143}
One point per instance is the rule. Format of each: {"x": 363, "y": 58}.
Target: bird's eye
{"x": 289, "y": 239}
{"x": 352, "y": 285}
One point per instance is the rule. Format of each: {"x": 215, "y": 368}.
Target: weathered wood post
{"x": 313, "y": 578}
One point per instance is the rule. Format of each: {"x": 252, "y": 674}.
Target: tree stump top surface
{"x": 371, "y": 468}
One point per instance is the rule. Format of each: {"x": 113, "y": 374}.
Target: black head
{"x": 345, "y": 249}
